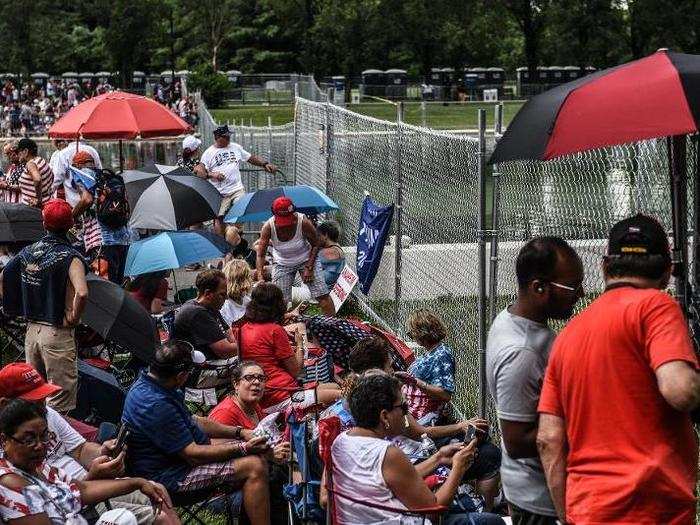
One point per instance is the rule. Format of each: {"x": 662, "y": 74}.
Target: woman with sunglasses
{"x": 373, "y": 481}
{"x": 242, "y": 406}
{"x": 34, "y": 493}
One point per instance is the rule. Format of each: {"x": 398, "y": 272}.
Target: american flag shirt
{"x": 436, "y": 368}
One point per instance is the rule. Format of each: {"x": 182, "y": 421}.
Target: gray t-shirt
{"x": 516, "y": 357}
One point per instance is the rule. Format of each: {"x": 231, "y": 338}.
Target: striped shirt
{"x": 92, "y": 233}
{"x": 26, "y": 184}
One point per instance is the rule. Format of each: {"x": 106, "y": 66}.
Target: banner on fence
{"x": 343, "y": 286}
{"x": 375, "y": 221}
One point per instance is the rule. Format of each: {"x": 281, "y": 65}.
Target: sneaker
{"x": 193, "y": 267}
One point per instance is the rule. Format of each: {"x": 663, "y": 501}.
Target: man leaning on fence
{"x": 550, "y": 277}
{"x": 45, "y": 283}
{"x": 615, "y": 434}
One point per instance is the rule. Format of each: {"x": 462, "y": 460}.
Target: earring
{"x": 386, "y": 425}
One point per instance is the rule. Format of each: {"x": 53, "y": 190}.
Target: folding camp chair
{"x": 12, "y": 332}
{"x": 328, "y": 430}
{"x": 303, "y": 496}
{"x": 194, "y": 504}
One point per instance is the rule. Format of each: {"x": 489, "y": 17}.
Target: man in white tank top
{"x": 294, "y": 249}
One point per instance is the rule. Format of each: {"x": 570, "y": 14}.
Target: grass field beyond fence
{"x": 437, "y": 115}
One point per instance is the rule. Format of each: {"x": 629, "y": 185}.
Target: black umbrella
{"x": 164, "y": 169}
{"x": 165, "y": 202}
{"x": 20, "y": 223}
{"x": 116, "y": 316}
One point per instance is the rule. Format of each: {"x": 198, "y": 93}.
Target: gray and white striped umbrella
{"x": 164, "y": 202}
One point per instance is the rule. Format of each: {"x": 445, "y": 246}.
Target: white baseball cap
{"x": 117, "y": 517}
{"x": 190, "y": 142}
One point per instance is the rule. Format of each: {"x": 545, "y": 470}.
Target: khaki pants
{"x": 51, "y": 350}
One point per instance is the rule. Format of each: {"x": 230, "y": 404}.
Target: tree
{"x": 530, "y": 16}
{"x": 130, "y": 35}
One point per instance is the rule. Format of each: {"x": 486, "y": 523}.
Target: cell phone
{"x": 122, "y": 436}
{"x": 470, "y": 434}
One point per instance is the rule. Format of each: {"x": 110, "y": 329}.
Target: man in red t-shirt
{"x": 615, "y": 435}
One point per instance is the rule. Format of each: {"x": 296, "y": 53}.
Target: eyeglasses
{"x": 573, "y": 289}
{"x": 249, "y": 378}
{"x": 33, "y": 441}
{"x": 403, "y": 406}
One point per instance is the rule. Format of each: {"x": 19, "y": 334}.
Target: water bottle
{"x": 427, "y": 445}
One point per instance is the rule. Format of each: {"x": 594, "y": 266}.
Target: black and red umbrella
{"x": 656, "y": 96}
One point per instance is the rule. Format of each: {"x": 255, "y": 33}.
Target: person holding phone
{"x": 33, "y": 492}
{"x": 377, "y": 475}
{"x": 67, "y": 450}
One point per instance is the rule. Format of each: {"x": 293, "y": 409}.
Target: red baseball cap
{"x": 283, "y": 210}
{"x": 21, "y": 380}
{"x": 57, "y": 215}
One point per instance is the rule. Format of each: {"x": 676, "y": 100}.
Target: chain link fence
{"x": 441, "y": 189}
{"x": 579, "y": 198}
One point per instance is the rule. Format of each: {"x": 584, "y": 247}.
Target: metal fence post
{"x": 481, "y": 244}
{"x": 398, "y": 218}
{"x": 328, "y": 146}
{"x": 495, "y": 200}
{"x": 269, "y": 147}
{"x": 422, "y": 113}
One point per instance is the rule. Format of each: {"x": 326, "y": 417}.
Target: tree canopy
{"x": 328, "y": 37}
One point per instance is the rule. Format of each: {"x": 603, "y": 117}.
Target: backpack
{"x": 111, "y": 206}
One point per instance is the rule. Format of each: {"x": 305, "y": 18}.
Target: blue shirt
{"x": 436, "y": 367}
{"x": 161, "y": 426}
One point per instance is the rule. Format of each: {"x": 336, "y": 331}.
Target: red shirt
{"x": 160, "y": 293}
{"x": 268, "y": 345}
{"x": 632, "y": 458}
{"x": 229, "y": 413}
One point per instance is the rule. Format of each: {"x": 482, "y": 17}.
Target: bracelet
{"x": 243, "y": 448}
{"x": 237, "y": 434}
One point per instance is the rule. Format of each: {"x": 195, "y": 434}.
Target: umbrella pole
{"x": 174, "y": 285}
{"x": 679, "y": 215}
{"x": 121, "y": 157}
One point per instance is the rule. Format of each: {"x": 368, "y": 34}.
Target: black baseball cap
{"x": 222, "y": 131}
{"x": 638, "y": 235}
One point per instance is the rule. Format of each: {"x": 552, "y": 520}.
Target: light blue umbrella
{"x": 256, "y": 207}
{"x": 170, "y": 250}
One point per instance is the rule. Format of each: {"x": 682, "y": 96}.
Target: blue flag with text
{"x": 375, "y": 221}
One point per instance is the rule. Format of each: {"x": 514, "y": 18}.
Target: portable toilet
{"x": 40, "y": 79}
{"x": 448, "y": 76}
{"x": 339, "y": 90}
{"x": 436, "y": 77}
{"x": 234, "y": 77}
{"x": 495, "y": 75}
{"x": 167, "y": 76}
{"x": 373, "y": 83}
{"x": 590, "y": 69}
{"x": 183, "y": 74}
{"x": 396, "y": 83}
{"x": 572, "y": 73}
{"x": 557, "y": 75}
{"x": 86, "y": 78}
{"x": 542, "y": 75}
{"x": 103, "y": 76}
{"x": 70, "y": 76}
{"x": 480, "y": 73}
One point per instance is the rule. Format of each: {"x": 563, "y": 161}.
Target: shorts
{"x": 135, "y": 502}
{"x": 300, "y": 399}
{"x": 283, "y": 276}
{"x": 229, "y": 200}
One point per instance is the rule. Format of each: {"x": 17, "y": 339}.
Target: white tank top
{"x": 357, "y": 472}
{"x": 293, "y": 252}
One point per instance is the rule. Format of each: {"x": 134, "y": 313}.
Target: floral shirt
{"x": 188, "y": 164}
{"x": 436, "y": 368}
{"x": 56, "y": 495}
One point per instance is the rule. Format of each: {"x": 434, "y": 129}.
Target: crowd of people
{"x": 30, "y": 108}
{"x": 595, "y": 422}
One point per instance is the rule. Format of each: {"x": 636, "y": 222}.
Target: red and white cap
{"x": 21, "y": 380}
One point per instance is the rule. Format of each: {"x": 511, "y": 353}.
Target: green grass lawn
{"x": 439, "y": 116}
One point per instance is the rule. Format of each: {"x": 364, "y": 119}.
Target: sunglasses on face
{"x": 403, "y": 406}
{"x": 249, "y": 378}
{"x": 33, "y": 440}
